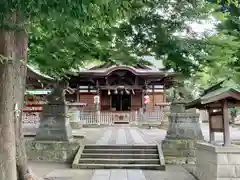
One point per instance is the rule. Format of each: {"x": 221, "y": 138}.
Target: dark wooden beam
{"x": 89, "y": 88}
{"x": 136, "y": 80}
{"x": 98, "y": 87}
{"x": 153, "y": 94}
{"x": 106, "y": 78}
{"x": 113, "y": 87}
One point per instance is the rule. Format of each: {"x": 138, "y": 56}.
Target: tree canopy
{"x": 67, "y": 34}
{"x": 220, "y": 51}
{"x": 138, "y": 28}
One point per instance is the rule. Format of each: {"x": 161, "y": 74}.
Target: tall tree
{"x": 7, "y": 133}
{"x": 56, "y": 49}
{"x": 163, "y": 30}
{"x": 16, "y": 16}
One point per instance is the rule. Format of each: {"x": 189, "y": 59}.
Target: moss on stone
{"x": 53, "y": 151}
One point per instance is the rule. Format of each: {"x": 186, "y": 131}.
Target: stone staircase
{"x": 119, "y": 157}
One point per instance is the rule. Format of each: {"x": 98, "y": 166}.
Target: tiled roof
{"x": 36, "y": 70}
{"x": 157, "y": 66}
{"x": 217, "y": 92}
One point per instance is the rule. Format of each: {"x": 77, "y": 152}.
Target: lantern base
{"x": 183, "y": 131}
{"x": 76, "y": 124}
{"x": 54, "y": 124}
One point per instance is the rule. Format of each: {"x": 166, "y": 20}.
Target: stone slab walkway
{"x": 63, "y": 172}
{"x": 122, "y": 136}
{"x": 159, "y": 134}
{"x": 112, "y": 135}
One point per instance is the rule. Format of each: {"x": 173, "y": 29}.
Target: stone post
{"x": 74, "y": 115}
{"x": 98, "y": 114}
{"x": 183, "y": 131}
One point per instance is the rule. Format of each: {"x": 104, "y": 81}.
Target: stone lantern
{"x": 183, "y": 131}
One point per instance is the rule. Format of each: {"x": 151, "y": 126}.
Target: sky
{"x": 196, "y": 27}
{"x": 200, "y": 28}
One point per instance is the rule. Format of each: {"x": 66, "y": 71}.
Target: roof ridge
{"x": 36, "y": 70}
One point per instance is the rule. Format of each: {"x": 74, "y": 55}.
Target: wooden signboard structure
{"x": 216, "y": 122}
{"x": 217, "y": 100}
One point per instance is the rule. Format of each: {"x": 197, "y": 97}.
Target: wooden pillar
{"x": 144, "y": 104}
{"x": 98, "y": 104}
{"x": 110, "y": 102}
{"x": 98, "y": 93}
{"x": 211, "y": 134}
{"x": 153, "y": 95}
{"x": 78, "y": 96}
{"x": 78, "y": 100}
{"x": 78, "y": 93}
{"x": 164, "y": 94}
{"x": 226, "y": 132}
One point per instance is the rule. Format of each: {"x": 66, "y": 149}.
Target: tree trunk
{"x": 7, "y": 134}
{"x": 21, "y": 44}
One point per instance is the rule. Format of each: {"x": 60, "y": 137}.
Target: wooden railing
{"x": 107, "y": 117}
{"x": 113, "y": 117}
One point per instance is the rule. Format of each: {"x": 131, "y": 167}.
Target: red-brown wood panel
{"x": 136, "y": 101}
{"x": 159, "y": 97}
{"x": 89, "y": 99}
{"x": 151, "y": 102}
{"x": 105, "y": 101}
{"x": 156, "y": 97}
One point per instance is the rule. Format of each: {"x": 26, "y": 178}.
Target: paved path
{"x": 123, "y": 135}
{"x": 113, "y": 135}
{"x": 62, "y": 172}
{"x": 159, "y": 134}
{"x": 120, "y": 136}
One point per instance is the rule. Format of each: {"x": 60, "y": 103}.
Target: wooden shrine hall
{"x": 122, "y": 91}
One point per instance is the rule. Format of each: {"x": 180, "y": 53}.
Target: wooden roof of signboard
{"x": 227, "y": 89}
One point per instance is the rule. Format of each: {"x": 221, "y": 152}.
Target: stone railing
{"x": 217, "y": 162}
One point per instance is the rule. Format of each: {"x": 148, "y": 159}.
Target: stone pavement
{"x": 159, "y": 134}
{"x": 62, "y": 172}
{"x": 123, "y": 135}
{"x": 112, "y": 135}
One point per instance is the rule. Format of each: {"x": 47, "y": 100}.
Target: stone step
{"x": 118, "y": 161}
{"x": 121, "y": 151}
{"x": 121, "y": 156}
{"x": 120, "y": 166}
{"x": 120, "y": 147}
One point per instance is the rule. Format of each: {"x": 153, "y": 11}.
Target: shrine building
{"x": 108, "y": 94}
{"x": 121, "y": 90}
